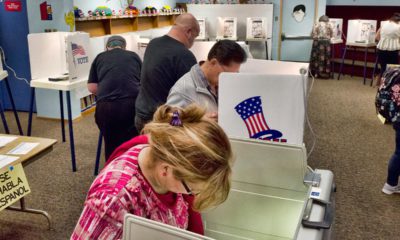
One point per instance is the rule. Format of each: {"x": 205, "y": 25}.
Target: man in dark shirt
{"x": 115, "y": 78}
{"x": 166, "y": 59}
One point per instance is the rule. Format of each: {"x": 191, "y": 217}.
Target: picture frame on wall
{"x": 256, "y": 28}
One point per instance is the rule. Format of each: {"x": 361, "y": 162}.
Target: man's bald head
{"x": 185, "y": 29}
{"x": 187, "y": 20}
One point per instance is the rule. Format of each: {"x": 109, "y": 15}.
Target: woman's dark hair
{"x": 227, "y": 51}
{"x": 395, "y": 17}
{"x": 299, "y": 7}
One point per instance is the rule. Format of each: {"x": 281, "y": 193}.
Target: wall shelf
{"x": 100, "y": 26}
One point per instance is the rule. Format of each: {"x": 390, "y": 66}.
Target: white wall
{"x": 60, "y": 7}
{"x": 364, "y": 2}
{"x": 86, "y": 5}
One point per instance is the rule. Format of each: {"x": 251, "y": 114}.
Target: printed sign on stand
{"x": 227, "y": 28}
{"x": 78, "y": 46}
{"x": 13, "y": 185}
{"x": 337, "y": 26}
{"x": 203, "y": 29}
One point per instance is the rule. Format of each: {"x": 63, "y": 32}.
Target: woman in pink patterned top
{"x": 181, "y": 165}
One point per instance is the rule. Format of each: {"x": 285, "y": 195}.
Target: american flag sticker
{"x": 77, "y": 50}
{"x": 251, "y": 112}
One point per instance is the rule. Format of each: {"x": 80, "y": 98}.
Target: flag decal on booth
{"x": 251, "y": 112}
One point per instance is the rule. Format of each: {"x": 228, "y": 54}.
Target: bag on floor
{"x": 387, "y": 100}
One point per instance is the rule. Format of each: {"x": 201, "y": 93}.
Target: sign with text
{"x": 13, "y": 185}
{"x": 13, "y": 5}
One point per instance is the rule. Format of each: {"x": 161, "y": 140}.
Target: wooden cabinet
{"x": 99, "y": 26}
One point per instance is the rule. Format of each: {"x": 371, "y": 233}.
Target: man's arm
{"x": 92, "y": 87}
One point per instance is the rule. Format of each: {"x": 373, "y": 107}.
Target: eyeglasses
{"x": 187, "y": 188}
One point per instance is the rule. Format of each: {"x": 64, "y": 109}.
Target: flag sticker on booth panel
{"x": 251, "y": 112}
{"x": 77, "y": 50}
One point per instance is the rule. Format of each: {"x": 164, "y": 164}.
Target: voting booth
{"x": 337, "y": 26}
{"x": 227, "y": 28}
{"x": 203, "y": 35}
{"x": 361, "y": 31}
{"x": 256, "y": 28}
{"x": 57, "y": 53}
{"x": 273, "y": 196}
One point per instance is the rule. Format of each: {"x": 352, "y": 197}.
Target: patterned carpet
{"x": 350, "y": 141}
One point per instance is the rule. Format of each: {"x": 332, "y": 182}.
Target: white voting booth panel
{"x": 47, "y": 54}
{"x": 273, "y": 67}
{"x": 200, "y": 49}
{"x": 262, "y": 106}
{"x": 337, "y": 26}
{"x": 268, "y": 199}
{"x": 361, "y": 31}
{"x": 138, "y": 228}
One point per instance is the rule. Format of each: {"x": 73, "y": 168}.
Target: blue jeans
{"x": 394, "y": 162}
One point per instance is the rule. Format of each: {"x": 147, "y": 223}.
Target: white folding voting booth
{"x": 203, "y": 35}
{"x": 256, "y": 28}
{"x": 337, "y": 26}
{"x": 227, "y": 28}
{"x": 274, "y": 196}
{"x": 241, "y": 12}
{"x": 361, "y": 31}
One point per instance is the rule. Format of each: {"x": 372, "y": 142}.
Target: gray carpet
{"x": 350, "y": 141}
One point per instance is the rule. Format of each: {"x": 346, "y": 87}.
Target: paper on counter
{"x": 5, "y": 160}
{"x": 4, "y": 140}
{"x": 23, "y": 148}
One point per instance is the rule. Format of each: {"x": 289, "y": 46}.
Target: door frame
{"x": 281, "y": 22}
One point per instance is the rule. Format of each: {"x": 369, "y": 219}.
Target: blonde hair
{"x": 199, "y": 149}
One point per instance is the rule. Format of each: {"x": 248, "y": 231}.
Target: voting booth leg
{"x": 374, "y": 71}
{"x": 266, "y": 50}
{"x": 98, "y": 154}
{"x": 365, "y": 63}
{"x": 29, "y": 130}
{"x": 341, "y": 63}
{"x": 71, "y": 132}
{"x": 23, "y": 208}
{"x": 332, "y": 62}
{"x": 3, "y": 118}
{"x": 352, "y": 64}
{"x": 62, "y": 114}
{"x": 13, "y": 107}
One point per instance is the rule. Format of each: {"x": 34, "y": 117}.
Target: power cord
{"x": 3, "y": 59}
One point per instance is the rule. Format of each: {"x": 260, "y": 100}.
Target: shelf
{"x": 100, "y": 26}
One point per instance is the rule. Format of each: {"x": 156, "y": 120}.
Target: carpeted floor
{"x": 350, "y": 141}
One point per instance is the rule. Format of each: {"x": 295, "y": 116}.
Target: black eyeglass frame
{"x": 187, "y": 188}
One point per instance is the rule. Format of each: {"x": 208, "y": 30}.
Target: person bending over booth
{"x": 200, "y": 84}
{"x": 181, "y": 165}
{"x": 166, "y": 59}
{"x": 115, "y": 78}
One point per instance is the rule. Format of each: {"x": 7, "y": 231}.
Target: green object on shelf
{"x": 107, "y": 10}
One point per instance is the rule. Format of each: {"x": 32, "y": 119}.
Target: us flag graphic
{"x": 251, "y": 112}
{"x": 77, "y": 50}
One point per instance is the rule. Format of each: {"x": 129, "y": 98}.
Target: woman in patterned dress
{"x": 181, "y": 165}
{"x": 320, "y": 62}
